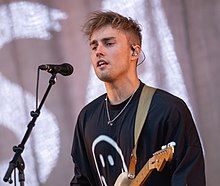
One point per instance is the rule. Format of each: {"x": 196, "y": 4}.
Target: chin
{"x": 105, "y": 78}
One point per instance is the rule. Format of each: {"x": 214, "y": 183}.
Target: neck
{"x": 118, "y": 92}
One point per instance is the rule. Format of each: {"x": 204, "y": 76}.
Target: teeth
{"x": 101, "y": 63}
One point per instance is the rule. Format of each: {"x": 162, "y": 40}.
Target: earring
{"x": 134, "y": 51}
{"x": 134, "y": 54}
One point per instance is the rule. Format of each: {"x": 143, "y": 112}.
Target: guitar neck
{"x": 142, "y": 175}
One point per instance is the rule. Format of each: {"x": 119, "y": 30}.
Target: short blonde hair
{"x": 101, "y": 19}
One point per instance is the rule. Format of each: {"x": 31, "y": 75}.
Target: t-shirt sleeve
{"x": 188, "y": 163}
{"x": 82, "y": 171}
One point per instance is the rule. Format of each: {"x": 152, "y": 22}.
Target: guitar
{"x": 157, "y": 162}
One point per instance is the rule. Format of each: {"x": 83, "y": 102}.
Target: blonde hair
{"x": 101, "y": 19}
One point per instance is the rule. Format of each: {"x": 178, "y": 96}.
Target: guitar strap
{"x": 142, "y": 111}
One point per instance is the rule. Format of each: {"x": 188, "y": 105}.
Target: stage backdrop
{"x": 181, "y": 42}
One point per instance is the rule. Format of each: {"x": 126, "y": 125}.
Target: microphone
{"x": 65, "y": 69}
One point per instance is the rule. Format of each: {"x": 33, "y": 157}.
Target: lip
{"x": 101, "y": 63}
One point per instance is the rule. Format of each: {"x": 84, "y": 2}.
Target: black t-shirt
{"x": 101, "y": 151}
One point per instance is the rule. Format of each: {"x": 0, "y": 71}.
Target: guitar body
{"x": 156, "y": 162}
{"x": 123, "y": 180}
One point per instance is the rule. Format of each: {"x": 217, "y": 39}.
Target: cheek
{"x": 122, "y": 59}
{"x": 121, "y": 53}
{"x": 92, "y": 59}
{"x": 116, "y": 57}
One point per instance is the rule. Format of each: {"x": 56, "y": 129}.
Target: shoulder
{"x": 168, "y": 105}
{"x": 91, "y": 107}
{"x": 165, "y": 99}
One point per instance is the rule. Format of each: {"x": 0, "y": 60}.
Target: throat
{"x": 118, "y": 92}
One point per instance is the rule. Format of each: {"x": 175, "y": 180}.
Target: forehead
{"x": 108, "y": 32}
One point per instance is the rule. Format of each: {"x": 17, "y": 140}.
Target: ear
{"x": 135, "y": 52}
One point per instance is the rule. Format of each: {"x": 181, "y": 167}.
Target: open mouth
{"x": 101, "y": 63}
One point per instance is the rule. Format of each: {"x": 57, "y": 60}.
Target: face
{"x": 110, "y": 54}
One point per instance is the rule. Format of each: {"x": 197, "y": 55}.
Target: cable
{"x": 38, "y": 74}
{"x": 144, "y": 57}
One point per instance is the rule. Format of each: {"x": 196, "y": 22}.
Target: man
{"x": 104, "y": 133}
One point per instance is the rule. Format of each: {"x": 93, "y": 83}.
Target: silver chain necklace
{"x": 110, "y": 122}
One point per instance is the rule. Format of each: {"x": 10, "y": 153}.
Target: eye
{"x": 109, "y": 44}
{"x": 93, "y": 47}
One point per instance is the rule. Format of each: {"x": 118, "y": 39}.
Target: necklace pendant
{"x": 110, "y": 123}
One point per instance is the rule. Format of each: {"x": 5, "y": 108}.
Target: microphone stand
{"x": 17, "y": 161}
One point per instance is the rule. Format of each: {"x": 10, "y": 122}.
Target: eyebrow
{"x": 93, "y": 42}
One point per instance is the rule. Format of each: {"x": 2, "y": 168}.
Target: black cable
{"x": 15, "y": 179}
{"x": 38, "y": 74}
{"x": 144, "y": 57}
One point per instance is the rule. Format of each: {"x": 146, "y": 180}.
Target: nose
{"x": 100, "y": 50}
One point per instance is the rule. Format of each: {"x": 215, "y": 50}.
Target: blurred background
{"x": 181, "y": 42}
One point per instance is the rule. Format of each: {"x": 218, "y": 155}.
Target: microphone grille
{"x": 68, "y": 69}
